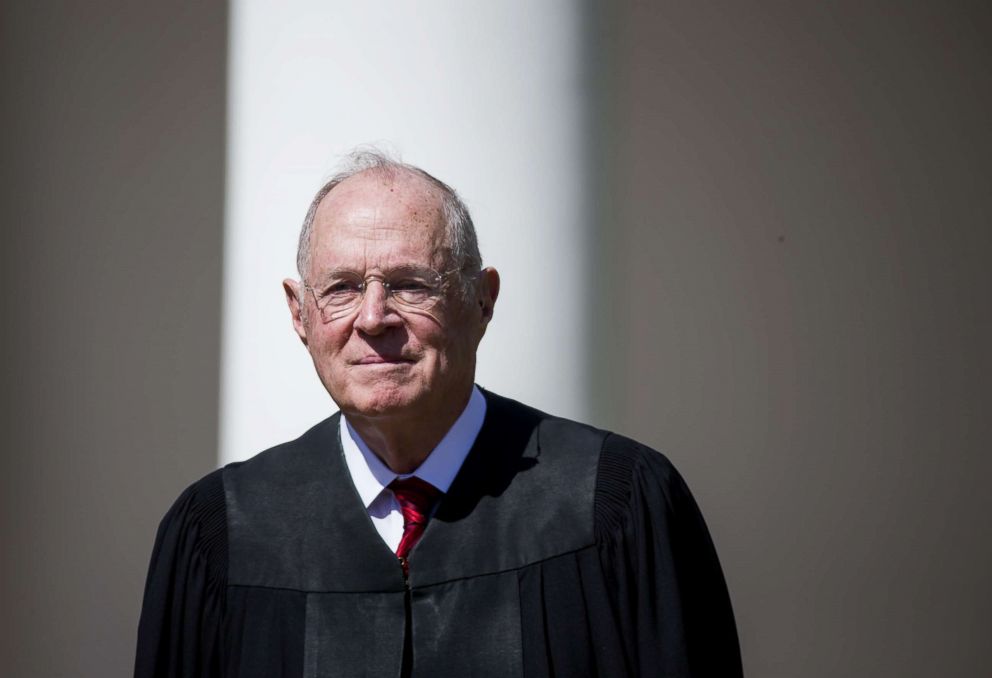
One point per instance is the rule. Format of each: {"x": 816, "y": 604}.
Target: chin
{"x": 379, "y": 402}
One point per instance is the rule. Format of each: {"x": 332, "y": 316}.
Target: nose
{"x": 375, "y": 314}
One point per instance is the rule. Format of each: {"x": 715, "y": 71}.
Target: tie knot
{"x": 415, "y": 496}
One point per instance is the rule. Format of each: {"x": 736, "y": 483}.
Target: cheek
{"x": 325, "y": 348}
{"x": 459, "y": 349}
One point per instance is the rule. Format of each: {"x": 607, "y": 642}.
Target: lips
{"x": 381, "y": 360}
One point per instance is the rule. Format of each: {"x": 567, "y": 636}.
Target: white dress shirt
{"x": 371, "y": 477}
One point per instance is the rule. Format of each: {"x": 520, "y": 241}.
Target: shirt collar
{"x": 371, "y": 476}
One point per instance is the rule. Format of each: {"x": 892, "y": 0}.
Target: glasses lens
{"x": 342, "y": 293}
{"x": 415, "y": 289}
{"x": 410, "y": 287}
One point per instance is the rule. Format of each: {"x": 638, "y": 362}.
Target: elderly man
{"x": 430, "y": 528}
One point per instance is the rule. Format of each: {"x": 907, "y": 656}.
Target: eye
{"x": 340, "y": 292}
{"x": 413, "y": 291}
{"x": 343, "y": 286}
{"x": 409, "y": 285}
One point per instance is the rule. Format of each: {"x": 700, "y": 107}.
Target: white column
{"x": 486, "y": 96}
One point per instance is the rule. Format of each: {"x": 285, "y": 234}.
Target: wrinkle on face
{"x": 370, "y": 225}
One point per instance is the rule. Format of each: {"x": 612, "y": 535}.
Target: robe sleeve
{"x": 179, "y": 630}
{"x": 669, "y": 593}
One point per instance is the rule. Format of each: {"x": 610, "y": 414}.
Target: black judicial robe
{"x": 559, "y": 550}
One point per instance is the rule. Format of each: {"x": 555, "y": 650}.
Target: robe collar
{"x": 371, "y": 476}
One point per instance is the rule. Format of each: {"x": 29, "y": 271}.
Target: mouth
{"x": 377, "y": 359}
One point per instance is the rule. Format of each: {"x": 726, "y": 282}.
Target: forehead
{"x": 379, "y": 220}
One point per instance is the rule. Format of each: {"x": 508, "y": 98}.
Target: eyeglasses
{"x": 412, "y": 288}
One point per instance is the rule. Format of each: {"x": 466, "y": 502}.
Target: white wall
{"x": 486, "y": 96}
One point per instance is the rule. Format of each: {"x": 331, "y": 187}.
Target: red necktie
{"x": 416, "y": 498}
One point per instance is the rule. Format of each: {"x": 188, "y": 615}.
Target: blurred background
{"x": 754, "y": 235}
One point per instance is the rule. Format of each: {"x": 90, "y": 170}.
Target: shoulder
{"x": 627, "y": 475}
{"x": 623, "y": 462}
{"x": 618, "y": 457}
{"x": 552, "y": 434}
{"x": 640, "y": 492}
{"x": 203, "y": 505}
{"x": 287, "y": 462}
{"x": 196, "y": 526}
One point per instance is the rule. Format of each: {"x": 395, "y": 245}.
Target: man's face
{"x": 382, "y": 359}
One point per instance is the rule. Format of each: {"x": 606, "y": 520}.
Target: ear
{"x": 294, "y": 298}
{"x": 488, "y": 292}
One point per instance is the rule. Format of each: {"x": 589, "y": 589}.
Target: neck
{"x": 403, "y": 441}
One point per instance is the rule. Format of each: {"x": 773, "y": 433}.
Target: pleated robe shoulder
{"x": 560, "y": 550}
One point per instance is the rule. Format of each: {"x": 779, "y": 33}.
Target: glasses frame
{"x": 330, "y": 316}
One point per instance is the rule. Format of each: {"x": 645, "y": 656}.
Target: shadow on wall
{"x": 112, "y": 199}
{"x": 796, "y": 233}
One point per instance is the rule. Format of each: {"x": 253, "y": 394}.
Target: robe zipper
{"x": 407, "y": 666}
